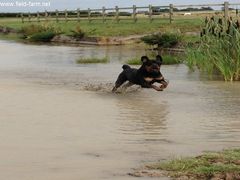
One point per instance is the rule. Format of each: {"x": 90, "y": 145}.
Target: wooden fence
{"x": 121, "y": 13}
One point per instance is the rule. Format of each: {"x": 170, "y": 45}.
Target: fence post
{"x": 22, "y": 17}
{"x": 78, "y": 15}
{"x": 57, "y": 20}
{"x": 103, "y": 14}
{"x": 89, "y": 15}
{"x": 66, "y": 15}
{"x": 38, "y": 17}
{"x": 46, "y": 15}
{"x": 150, "y": 11}
{"x": 226, "y": 8}
{"x": 29, "y": 17}
{"x": 170, "y": 12}
{"x": 134, "y": 13}
{"x": 117, "y": 14}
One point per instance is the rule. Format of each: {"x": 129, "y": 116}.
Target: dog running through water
{"x": 145, "y": 76}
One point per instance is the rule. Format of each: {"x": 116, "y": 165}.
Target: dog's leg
{"x": 121, "y": 79}
{"x": 125, "y": 86}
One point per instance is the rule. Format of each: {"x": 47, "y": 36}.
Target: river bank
{"x": 109, "y": 33}
{"x": 222, "y": 165}
{"x": 64, "y": 39}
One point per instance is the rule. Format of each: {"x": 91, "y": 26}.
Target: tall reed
{"x": 218, "y": 50}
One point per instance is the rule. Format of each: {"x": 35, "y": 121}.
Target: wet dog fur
{"x": 145, "y": 76}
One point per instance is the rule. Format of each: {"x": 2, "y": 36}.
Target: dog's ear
{"x": 144, "y": 59}
{"x": 159, "y": 59}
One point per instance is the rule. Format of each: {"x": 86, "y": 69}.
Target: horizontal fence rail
{"x": 129, "y": 13}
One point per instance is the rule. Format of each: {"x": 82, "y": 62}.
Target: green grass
{"x": 134, "y": 61}
{"x": 205, "y": 166}
{"x": 170, "y": 59}
{"x": 11, "y": 36}
{"x": 167, "y": 60}
{"x": 92, "y": 60}
{"x": 111, "y": 28}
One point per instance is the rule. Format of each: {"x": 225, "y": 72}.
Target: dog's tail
{"x": 125, "y": 66}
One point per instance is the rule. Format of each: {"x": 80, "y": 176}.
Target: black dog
{"x": 145, "y": 76}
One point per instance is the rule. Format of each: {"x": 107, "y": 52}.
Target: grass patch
{"x": 134, "y": 61}
{"x": 208, "y": 165}
{"x": 92, "y": 60}
{"x": 167, "y": 60}
{"x": 171, "y": 59}
{"x": 11, "y": 36}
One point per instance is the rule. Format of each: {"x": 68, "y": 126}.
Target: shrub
{"x": 166, "y": 40}
{"x": 77, "y": 33}
{"x": 42, "y": 36}
{"x": 31, "y": 29}
{"x": 43, "y": 32}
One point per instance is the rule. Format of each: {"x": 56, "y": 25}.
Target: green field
{"x": 111, "y": 28}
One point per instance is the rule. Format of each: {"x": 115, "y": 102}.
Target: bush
{"x": 166, "y": 40}
{"x": 42, "y": 36}
{"x": 44, "y": 32}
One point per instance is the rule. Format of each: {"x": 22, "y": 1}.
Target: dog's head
{"x": 152, "y": 66}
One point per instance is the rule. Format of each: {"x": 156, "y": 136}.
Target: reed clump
{"x": 218, "y": 50}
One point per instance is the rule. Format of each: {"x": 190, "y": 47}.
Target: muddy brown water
{"x": 59, "y": 120}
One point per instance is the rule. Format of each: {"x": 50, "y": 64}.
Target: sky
{"x": 42, "y": 5}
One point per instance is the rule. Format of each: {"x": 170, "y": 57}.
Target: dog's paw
{"x": 157, "y": 88}
{"x": 160, "y": 89}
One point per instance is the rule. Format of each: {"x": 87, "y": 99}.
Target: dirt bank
{"x": 65, "y": 39}
{"x": 97, "y": 40}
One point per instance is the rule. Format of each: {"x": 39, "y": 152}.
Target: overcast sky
{"x": 24, "y": 5}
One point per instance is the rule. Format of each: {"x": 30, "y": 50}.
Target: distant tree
{"x": 206, "y": 9}
{"x": 8, "y": 14}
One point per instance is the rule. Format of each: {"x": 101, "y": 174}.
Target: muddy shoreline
{"x": 98, "y": 41}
